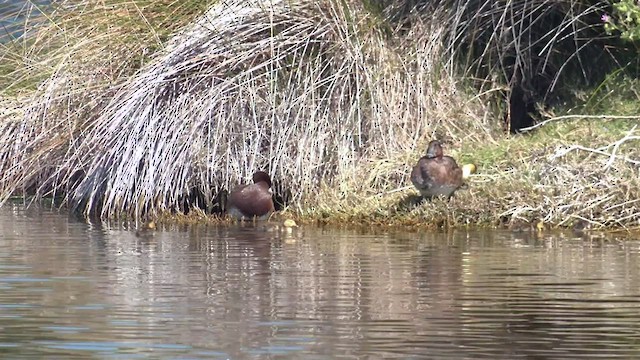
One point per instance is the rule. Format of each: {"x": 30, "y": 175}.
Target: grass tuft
{"x": 130, "y": 109}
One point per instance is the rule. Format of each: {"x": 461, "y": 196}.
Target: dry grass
{"x": 299, "y": 88}
{"x": 332, "y": 102}
{"x": 566, "y": 174}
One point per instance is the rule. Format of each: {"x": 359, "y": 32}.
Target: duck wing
{"x": 251, "y": 200}
{"x": 420, "y": 174}
{"x": 451, "y": 173}
{"x": 436, "y": 172}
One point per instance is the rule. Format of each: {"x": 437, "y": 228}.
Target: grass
{"x": 128, "y": 109}
{"x": 104, "y": 41}
{"x": 522, "y": 180}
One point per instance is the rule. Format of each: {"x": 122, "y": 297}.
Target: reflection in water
{"x": 75, "y": 289}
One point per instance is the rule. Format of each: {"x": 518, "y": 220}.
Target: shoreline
{"x": 564, "y": 175}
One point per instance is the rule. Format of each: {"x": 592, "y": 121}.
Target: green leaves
{"x": 624, "y": 19}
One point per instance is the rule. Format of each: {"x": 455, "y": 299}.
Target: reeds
{"x": 333, "y": 99}
{"x": 302, "y": 89}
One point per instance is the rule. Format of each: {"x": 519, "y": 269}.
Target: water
{"x": 69, "y": 289}
{"x": 14, "y": 14}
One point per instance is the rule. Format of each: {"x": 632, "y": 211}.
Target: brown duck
{"x": 436, "y": 174}
{"x": 251, "y": 201}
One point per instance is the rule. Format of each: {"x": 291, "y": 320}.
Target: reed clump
{"x": 336, "y": 100}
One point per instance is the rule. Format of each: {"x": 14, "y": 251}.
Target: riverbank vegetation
{"x": 152, "y": 107}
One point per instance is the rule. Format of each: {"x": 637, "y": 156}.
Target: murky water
{"x": 69, "y": 289}
{"x": 14, "y": 14}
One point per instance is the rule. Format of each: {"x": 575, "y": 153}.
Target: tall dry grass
{"x": 305, "y": 90}
{"x": 332, "y": 98}
{"x": 542, "y": 45}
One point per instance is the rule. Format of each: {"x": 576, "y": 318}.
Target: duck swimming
{"x": 252, "y": 201}
{"x": 436, "y": 174}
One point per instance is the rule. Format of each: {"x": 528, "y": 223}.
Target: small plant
{"x": 625, "y": 18}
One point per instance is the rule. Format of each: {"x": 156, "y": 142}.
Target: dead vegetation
{"x": 334, "y": 104}
{"x": 571, "y": 175}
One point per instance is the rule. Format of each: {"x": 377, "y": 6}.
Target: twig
{"x": 621, "y": 204}
{"x": 612, "y": 156}
{"x": 390, "y": 191}
{"x": 581, "y": 218}
{"x": 568, "y": 117}
{"x": 616, "y": 146}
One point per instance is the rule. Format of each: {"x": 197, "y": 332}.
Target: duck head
{"x": 434, "y": 150}
{"x": 261, "y": 176}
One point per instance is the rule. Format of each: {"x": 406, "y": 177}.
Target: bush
{"x": 624, "y": 19}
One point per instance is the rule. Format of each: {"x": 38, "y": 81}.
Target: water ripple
{"x": 75, "y": 290}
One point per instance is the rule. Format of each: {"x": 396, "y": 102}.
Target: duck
{"x": 252, "y": 201}
{"x": 436, "y": 174}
